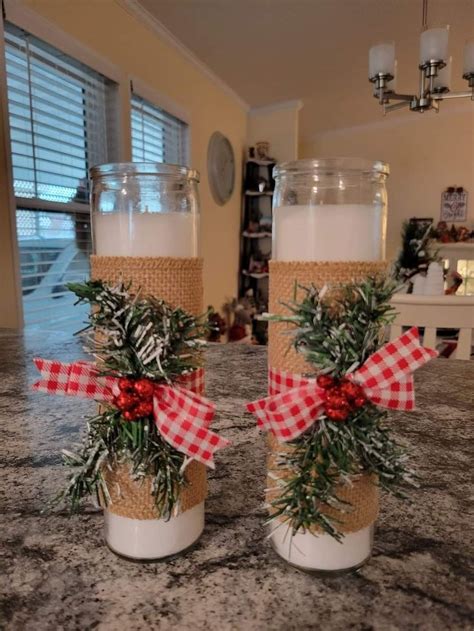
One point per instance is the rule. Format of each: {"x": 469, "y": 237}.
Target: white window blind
{"x": 59, "y": 110}
{"x": 156, "y": 135}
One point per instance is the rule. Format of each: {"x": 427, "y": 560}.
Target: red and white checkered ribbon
{"x": 182, "y": 415}
{"x": 295, "y": 402}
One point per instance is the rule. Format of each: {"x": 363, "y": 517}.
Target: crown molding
{"x": 134, "y": 8}
{"x": 33, "y": 22}
{"x": 294, "y": 104}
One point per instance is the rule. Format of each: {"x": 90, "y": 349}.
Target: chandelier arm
{"x": 454, "y": 95}
{"x": 394, "y": 96}
{"x": 395, "y": 106}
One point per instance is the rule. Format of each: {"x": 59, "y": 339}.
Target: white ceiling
{"x": 315, "y": 50}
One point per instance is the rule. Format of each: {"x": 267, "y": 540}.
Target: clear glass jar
{"x": 331, "y": 209}
{"x": 144, "y": 209}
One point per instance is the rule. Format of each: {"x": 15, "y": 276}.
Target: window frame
{"x": 158, "y": 99}
{"x": 28, "y": 20}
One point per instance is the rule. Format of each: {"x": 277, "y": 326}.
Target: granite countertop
{"x": 58, "y": 574}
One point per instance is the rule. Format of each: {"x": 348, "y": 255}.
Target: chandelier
{"x": 435, "y": 71}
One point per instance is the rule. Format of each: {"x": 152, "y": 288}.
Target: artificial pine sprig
{"x": 137, "y": 339}
{"x": 141, "y": 337}
{"x": 110, "y": 442}
{"x": 337, "y": 329}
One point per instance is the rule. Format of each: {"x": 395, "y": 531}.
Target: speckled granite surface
{"x": 56, "y": 572}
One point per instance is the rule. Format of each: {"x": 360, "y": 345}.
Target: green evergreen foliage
{"x": 337, "y": 330}
{"x": 136, "y": 337}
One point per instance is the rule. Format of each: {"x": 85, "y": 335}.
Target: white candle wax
{"x": 328, "y": 232}
{"x": 434, "y": 45}
{"x": 323, "y": 552}
{"x": 153, "y": 538}
{"x": 382, "y": 59}
{"x": 145, "y": 234}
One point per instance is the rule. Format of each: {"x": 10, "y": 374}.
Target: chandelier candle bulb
{"x": 392, "y": 84}
{"x": 382, "y": 59}
{"x": 434, "y": 45}
{"x": 442, "y": 81}
{"x": 468, "y": 66}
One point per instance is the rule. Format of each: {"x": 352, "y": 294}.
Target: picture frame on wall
{"x": 423, "y": 223}
{"x": 454, "y": 204}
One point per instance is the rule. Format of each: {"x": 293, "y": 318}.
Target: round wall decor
{"x": 220, "y": 168}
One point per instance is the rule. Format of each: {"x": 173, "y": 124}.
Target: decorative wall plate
{"x": 220, "y": 168}
{"x": 454, "y": 204}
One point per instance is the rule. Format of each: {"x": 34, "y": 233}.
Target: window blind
{"x": 156, "y": 135}
{"x": 59, "y": 115}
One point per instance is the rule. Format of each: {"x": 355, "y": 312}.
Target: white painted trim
{"x": 7, "y": 180}
{"x": 395, "y": 120}
{"x": 295, "y": 104}
{"x": 164, "y": 102}
{"x": 27, "y": 19}
{"x": 144, "y": 16}
{"x": 124, "y": 120}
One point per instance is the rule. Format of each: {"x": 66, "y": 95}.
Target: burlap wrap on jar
{"x": 179, "y": 282}
{"x": 284, "y": 276}
{"x": 176, "y": 280}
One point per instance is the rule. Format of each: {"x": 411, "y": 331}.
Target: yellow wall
{"x": 426, "y": 153}
{"x": 278, "y": 125}
{"x": 124, "y": 40}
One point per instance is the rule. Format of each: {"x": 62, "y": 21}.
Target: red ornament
{"x": 125, "y": 384}
{"x": 337, "y": 414}
{"x": 129, "y": 415}
{"x": 335, "y": 399}
{"x": 144, "y": 388}
{"x": 325, "y": 381}
{"x": 145, "y": 408}
{"x": 125, "y": 401}
{"x": 359, "y": 402}
{"x": 350, "y": 390}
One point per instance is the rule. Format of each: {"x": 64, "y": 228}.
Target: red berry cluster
{"x": 135, "y": 399}
{"x": 341, "y": 397}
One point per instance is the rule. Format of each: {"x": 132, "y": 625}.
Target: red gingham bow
{"x": 182, "y": 415}
{"x": 295, "y": 402}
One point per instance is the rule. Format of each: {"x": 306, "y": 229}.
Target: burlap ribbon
{"x": 179, "y": 282}
{"x": 361, "y": 493}
{"x": 133, "y": 498}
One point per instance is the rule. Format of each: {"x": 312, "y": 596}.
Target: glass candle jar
{"x": 141, "y": 209}
{"x": 146, "y": 210}
{"x": 332, "y": 209}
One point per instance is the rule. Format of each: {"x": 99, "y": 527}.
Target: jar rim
{"x": 331, "y": 166}
{"x": 133, "y": 169}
